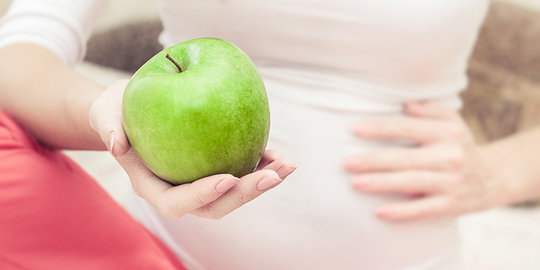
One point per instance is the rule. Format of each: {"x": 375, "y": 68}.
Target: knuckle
{"x": 245, "y": 195}
{"x": 242, "y": 199}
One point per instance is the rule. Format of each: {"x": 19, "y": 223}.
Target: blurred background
{"x": 503, "y": 97}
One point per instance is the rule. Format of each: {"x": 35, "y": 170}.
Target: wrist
{"x": 79, "y": 107}
{"x": 503, "y": 190}
{"x": 512, "y": 163}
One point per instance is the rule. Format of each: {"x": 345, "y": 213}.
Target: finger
{"x": 443, "y": 157}
{"x": 428, "y": 207}
{"x": 250, "y": 187}
{"x": 455, "y": 127}
{"x": 283, "y": 167}
{"x": 430, "y": 109}
{"x": 173, "y": 201}
{"x": 118, "y": 141}
{"x": 268, "y": 157}
{"x": 404, "y": 182}
{"x": 144, "y": 182}
{"x": 186, "y": 198}
{"x": 422, "y": 131}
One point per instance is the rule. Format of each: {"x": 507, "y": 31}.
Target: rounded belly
{"x": 314, "y": 219}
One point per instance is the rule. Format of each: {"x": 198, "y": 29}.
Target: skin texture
{"x": 211, "y": 118}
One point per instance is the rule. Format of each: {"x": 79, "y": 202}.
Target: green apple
{"x": 196, "y": 109}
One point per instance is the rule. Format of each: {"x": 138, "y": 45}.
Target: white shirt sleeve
{"x": 62, "y": 26}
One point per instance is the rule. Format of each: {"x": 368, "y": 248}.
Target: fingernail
{"x": 360, "y": 129}
{"x": 351, "y": 164}
{"x": 360, "y": 181}
{"x": 267, "y": 183}
{"x": 111, "y": 143}
{"x": 382, "y": 212}
{"x": 226, "y": 184}
{"x": 285, "y": 170}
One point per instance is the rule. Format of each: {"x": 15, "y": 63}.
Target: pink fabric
{"x": 55, "y": 216}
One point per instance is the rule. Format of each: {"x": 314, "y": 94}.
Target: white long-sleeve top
{"x": 326, "y": 64}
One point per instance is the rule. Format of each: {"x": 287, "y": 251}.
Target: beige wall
{"x": 4, "y": 5}
{"x": 534, "y": 4}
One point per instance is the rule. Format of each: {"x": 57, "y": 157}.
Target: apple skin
{"x": 211, "y": 118}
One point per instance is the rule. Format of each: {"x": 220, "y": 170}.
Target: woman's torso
{"x": 326, "y": 65}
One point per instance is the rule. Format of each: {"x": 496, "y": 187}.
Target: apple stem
{"x": 174, "y": 62}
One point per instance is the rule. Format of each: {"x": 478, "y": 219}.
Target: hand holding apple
{"x": 210, "y": 197}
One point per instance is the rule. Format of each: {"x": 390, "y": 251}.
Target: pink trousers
{"x": 53, "y": 215}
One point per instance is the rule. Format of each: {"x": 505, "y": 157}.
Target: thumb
{"x": 106, "y": 118}
{"x": 118, "y": 143}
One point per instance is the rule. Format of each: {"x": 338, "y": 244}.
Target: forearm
{"x": 515, "y": 162}
{"x": 47, "y": 97}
